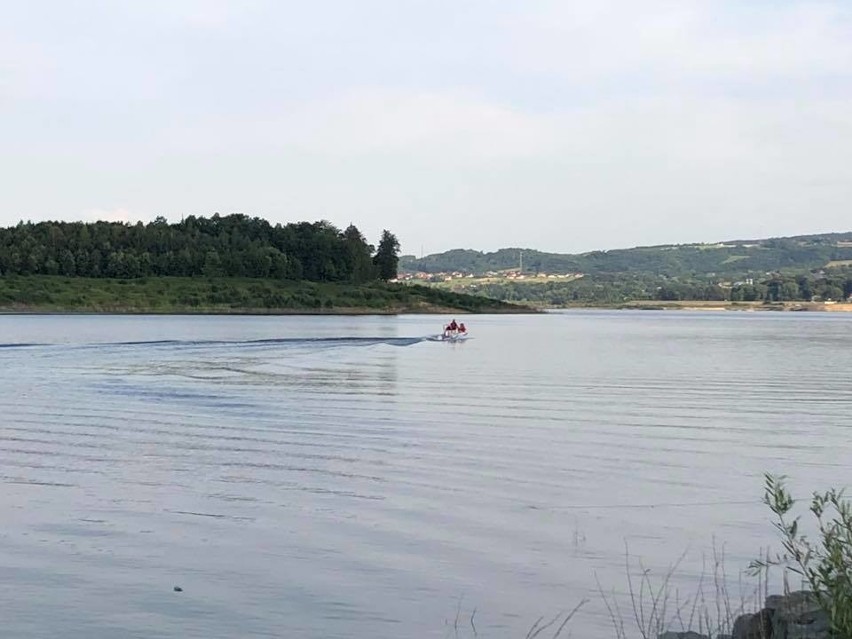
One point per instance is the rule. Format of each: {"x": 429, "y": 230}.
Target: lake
{"x": 342, "y": 477}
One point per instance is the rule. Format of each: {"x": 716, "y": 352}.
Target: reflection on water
{"x": 343, "y": 477}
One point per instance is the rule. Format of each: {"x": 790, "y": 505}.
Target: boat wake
{"x": 318, "y": 342}
{"x": 280, "y": 341}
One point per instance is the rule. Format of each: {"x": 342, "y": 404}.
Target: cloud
{"x": 686, "y": 39}
{"x": 567, "y": 124}
{"x": 25, "y": 67}
{"x": 616, "y": 173}
{"x": 450, "y": 125}
{"x": 198, "y": 15}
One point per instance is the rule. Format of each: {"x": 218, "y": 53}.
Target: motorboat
{"x": 450, "y": 336}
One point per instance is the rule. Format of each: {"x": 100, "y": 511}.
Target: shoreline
{"x": 700, "y": 305}
{"x": 518, "y": 309}
{"x": 253, "y": 312}
{"x": 43, "y": 294}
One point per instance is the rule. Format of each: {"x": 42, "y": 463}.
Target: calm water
{"x": 340, "y": 477}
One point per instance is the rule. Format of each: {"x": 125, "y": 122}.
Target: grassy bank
{"x": 231, "y": 295}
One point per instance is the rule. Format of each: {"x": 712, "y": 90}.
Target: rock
{"x": 178, "y": 589}
{"x": 754, "y": 626}
{"x": 793, "y": 616}
{"x": 798, "y": 616}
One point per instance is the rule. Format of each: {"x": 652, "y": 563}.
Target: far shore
{"x": 702, "y": 305}
{"x": 643, "y": 305}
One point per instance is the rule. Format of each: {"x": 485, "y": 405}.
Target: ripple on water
{"x": 341, "y": 477}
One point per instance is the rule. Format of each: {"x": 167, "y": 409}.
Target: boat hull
{"x": 452, "y": 337}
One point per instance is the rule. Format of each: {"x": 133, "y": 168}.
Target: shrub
{"x": 825, "y": 563}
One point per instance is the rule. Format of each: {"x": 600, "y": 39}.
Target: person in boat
{"x": 450, "y": 328}
{"x": 462, "y": 328}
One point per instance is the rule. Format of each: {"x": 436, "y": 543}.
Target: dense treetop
{"x": 219, "y": 246}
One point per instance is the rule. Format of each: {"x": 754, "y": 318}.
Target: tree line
{"x": 833, "y": 284}
{"x": 219, "y": 246}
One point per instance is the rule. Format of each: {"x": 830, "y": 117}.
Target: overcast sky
{"x": 559, "y": 125}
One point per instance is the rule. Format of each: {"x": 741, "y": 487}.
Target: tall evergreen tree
{"x": 359, "y": 255}
{"x": 387, "y": 256}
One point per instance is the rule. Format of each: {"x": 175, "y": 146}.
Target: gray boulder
{"x": 754, "y": 626}
{"x": 688, "y": 634}
{"x": 798, "y": 616}
{"x": 793, "y": 616}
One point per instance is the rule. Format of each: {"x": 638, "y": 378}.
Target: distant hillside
{"x": 733, "y": 258}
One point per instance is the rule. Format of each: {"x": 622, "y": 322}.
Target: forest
{"x": 218, "y": 246}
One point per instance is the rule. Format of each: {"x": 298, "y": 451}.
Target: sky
{"x": 558, "y": 125}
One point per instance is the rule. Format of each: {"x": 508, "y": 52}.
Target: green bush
{"x": 824, "y": 563}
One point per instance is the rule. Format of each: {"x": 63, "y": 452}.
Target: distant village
{"x": 460, "y": 281}
{"x": 432, "y": 278}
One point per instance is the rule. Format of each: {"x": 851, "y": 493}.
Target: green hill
{"x": 732, "y": 258}
{"x": 791, "y": 269}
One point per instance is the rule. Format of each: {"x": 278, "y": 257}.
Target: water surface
{"x": 341, "y": 477}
